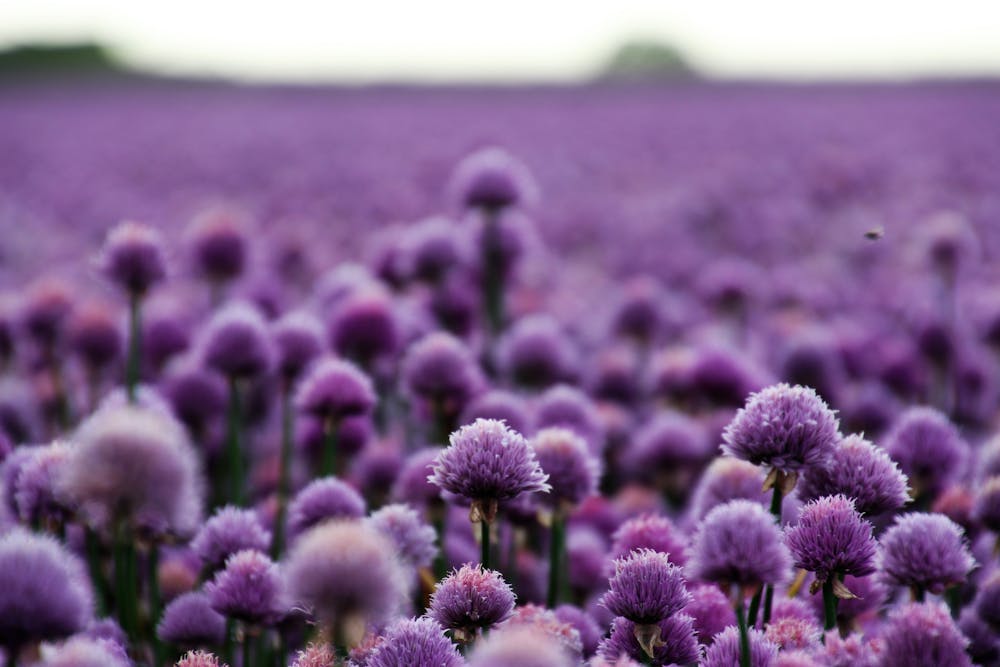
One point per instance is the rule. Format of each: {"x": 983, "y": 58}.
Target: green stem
{"x": 440, "y": 560}
{"x": 557, "y": 557}
{"x": 741, "y": 620}
{"x": 918, "y": 593}
{"x": 484, "y": 532}
{"x": 93, "y": 547}
{"x": 329, "y": 462}
{"x": 493, "y": 296}
{"x": 152, "y": 575}
{"x": 227, "y": 645}
{"x": 247, "y": 642}
{"x": 829, "y": 605}
{"x": 754, "y": 607}
{"x": 233, "y": 448}
{"x": 134, "y": 346}
{"x": 125, "y": 578}
{"x": 287, "y": 417}
{"x": 776, "y": 498}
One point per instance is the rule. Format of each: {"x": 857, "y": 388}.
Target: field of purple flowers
{"x": 610, "y": 376}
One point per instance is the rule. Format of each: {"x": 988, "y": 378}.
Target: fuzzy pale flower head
{"x": 924, "y": 552}
{"x": 229, "y": 530}
{"x": 923, "y": 635}
{"x": 565, "y": 457}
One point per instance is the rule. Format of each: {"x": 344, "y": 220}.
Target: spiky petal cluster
{"x": 315, "y": 655}
{"x": 229, "y": 530}
{"x": 924, "y": 552}
{"x": 471, "y": 598}
{"x": 323, "y": 499}
{"x": 414, "y": 540}
{"x": 678, "y": 643}
{"x": 44, "y": 590}
{"x": 199, "y": 659}
{"x": 787, "y": 428}
{"x": 565, "y": 457}
{"x": 487, "y": 461}
{"x": 250, "y": 589}
{"x": 725, "y": 650}
{"x": 923, "y": 635}
{"x": 136, "y": 464}
{"x": 859, "y": 470}
{"x": 928, "y": 448}
{"x": 132, "y": 257}
{"x": 189, "y": 620}
{"x": 334, "y": 389}
{"x": 793, "y": 634}
{"x": 831, "y": 538}
{"x": 739, "y": 543}
{"x": 650, "y": 531}
{"x": 419, "y": 642}
{"x": 343, "y": 568}
{"x": 646, "y": 588}
{"x": 36, "y": 494}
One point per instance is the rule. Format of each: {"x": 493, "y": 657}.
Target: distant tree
{"x": 48, "y": 58}
{"x": 646, "y": 60}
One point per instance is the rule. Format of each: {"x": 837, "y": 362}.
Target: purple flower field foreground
{"x": 582, "y": 377}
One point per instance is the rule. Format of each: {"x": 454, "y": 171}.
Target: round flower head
{"x": 189, "y": 620}
{"x": 106, "y": 628}
{"x": 364, "y": 328}
{"x": 298, "y": 340}
{"x": 487, "y": 462}
{"x": 43, "y": 314}
{"x": 197, "y": 395}
{"x": 419, "y": 642}
{"x": 739, "y": 543}
{"x": 573, "y": 471}
{"x": 94, "y": 336}
{"x": 199, "y": 659}
{"x": 727, "y": 479}
{"x": 987, "y": 601}
{"x": 88, "y": 652}
{"x": 433, "y": 248}
{"x": 415, "y": 541}
{"x": 984, "y": 647}
{"x": 831, "y": 538}
{"x": 412, "y": 485}
{"x": 334, "y": 389}
{"x": 137, "y": 464}
{"x": 535, "y": 353}
{"x": 36, "y": 494}
{"x": 725, "y": 650}
{"x": 235, "y": 342}
{"x": 44, "y": 590}
{"x": 793, "y": 634}
{"x": 923, "y": 635}
{"x": 927, "y": 448}
{"x": 318, "y": 655}
{"x": 492, "y": 179}
{"x": 230, "y": 529}
{"x": 502, "y": 406}
{"x": 722, "y": 377}
{"x": 344, "y": 569}
{"x": 440, "y": 370}
{"x": 677, "y": 644}
{"x": 164, "y": 335}
{"x": 859, "y": 470}
{"x": 584, "y": 624}
{"x": 218, "y": 243}
{"x": 924, "y": 552}
{"x": 987, "y": 508}
{"x": 471, "y": 598}
{"x": 949, "y": 240}
{"x": 586, "y": 557}
{"x": 640, "y": 313}
{"x": 132, "y": 257}
{"x": 523, "y": 646}
{"x": 614, "y": 376}
{"x": 646, "y": 588}
{"x": 665, "y": 443}
{"x": 250, "y": 589}
{"x": 711, "y": 611}
{"x": 323, "y": 499}
{"x": 545, "y": 621}
{"x": 570, "y": 408}
{"x": 786, "y": 428}
{"x": 852, "y": 651}
{"x": 650, "y": 531}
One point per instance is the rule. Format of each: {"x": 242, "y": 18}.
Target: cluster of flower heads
{"x": 409, "y": 465}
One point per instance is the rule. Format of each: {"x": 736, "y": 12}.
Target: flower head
{"x": 412, "y": 485}
{"x": 859, "y": 470}
{"x": 725, "y": 650}
{"x": 235, "y": 342}
{"x": 132, "y": 257}
{"x": 928, "y": 448}
{"x": 650, "y": 531}
{"x": 502, "y": 406}
{"x": 787, "y": 428}
{"x": 36, "y": 493}
{"x": 678, "y": 643}
{"x": 924, "y": 551}
{"x": 568, "y": 407}
{"x": 793, "y": 634}
{"x": 523, "y": 646}
{"x": 536, "y": 353}
{"x": 440, "y": 370}
{"x": 250, "y": 588}
{"x": 470, "y": 598}
{"x": 565, "y": 457}
{"x": 334, "y": 389}
{"x": 199, "y": 659}
{"x": 419, "y": 642}
{"x": 831, "y": 538}
{"x": 189, "y": 620}
{"x": 646, "y": 587}
{"x": 230, "y": 529}
{"x": 298, "y": 340}
{"x": 726, "y": 479}
{"x": 414, "y": 540}
{"x": 321, "y": 500}
{"x": 711, "y": 611}
{"x": 492, "y": 179}
{"x": 316, "y": 655}
{"x": 217, "y": 238}
{"x": 987, "y": 508}
{"x": 94, "y": 335}
{"x": 363, "y": 327}
{"x": 89, "y": 652}
{"x": 923, "y": 635}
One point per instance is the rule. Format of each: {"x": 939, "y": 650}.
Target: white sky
{"x": 366, "y": 40}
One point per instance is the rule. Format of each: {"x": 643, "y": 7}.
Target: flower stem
{"x": 330, "y": 462}
{"x": 741, "y": 620}
{"x": 776, "y": 498}
{"x": 484, "y": 532}
{"x": 829, "y": 605}
{"x": 247, "y": 645}
{"x": 287, "y": 417}
{"x": 557, "y": 556}
{"x": 152, "y": 574}
{"x": 492, "y": 284}
{"x": 93, "y": 547}
{"x": 233, "y": 449}
{"x": 134, "y": 346}
{"x": 755, "y": 607}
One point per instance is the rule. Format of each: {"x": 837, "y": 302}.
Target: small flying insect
{"x": 875, "y": 233}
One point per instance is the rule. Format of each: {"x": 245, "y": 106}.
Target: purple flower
{"x": 137, "y": 464}
{"x": 471, "y": 598}
{"x": 189, "y": 620}
{"x": 419, "y": 642}
{"x": 640, "y": 314}
{"x": 572, "y": 470}
{"x": 545, "y": 621}
{"x": 412, "y": 484}
{"x": 984, "y": 646}
{"x": 492, "y": 179}
{"x": 793, "y": 634}
{"x": 217, "y": 238}
{"x": 44, "y": 590}
{"x": 859, "y": 470}
{"x": 298, "y": 340}
{"x": 46, "y": 307}
{"x": 88, "y": 652}
{"x": 95, "y": 337}
{"x": 586, "y": 552}
{"x": 415, "y": 541}
{"x": 568, "y": 407}
{"x": 440, "y": 370}
{"x": 344, "y": 568}
{"x": 235, "y": 342}
{"x": 650, "y": 531}
{"x": 739, "y": 543}
{"x": 230, "y": 529}
{"x": 487, "y": 462}
{"x": 36, "y": 494}
{"x": 927, "y": 448}
{"x": 726, "y": 479}
{"x": 924, "y": 552}
{"x": 250, "y": 589}
{"x": 987, "y": 508}
{"x": 646, "y": 588}
{"x": 364, "y": 328}
{"x": 502, "y": 406}
{"x": 786, "y": 428}
{"x": 199, "y": 659}
{"x": 433, "y": 248}
{"x": 667, "y": 442}
{"x": 987, "y": 601}
{"x": 831, "y": 538}
{"x": 852, "y": 651}
{"x": 711, "y": 611}
{"x": 677, "y": 643}
{"x": 523, "y": 646}
{"x": 318, "y": 655}
{"x": 334, "y": 389}
{"x": 584, "y": 624}
{"x": 197, "y": 395}
{"x": 323, "y": 499}
{"x": 725, "y": 650}
{"x": 535, "y": 353}
{"x": 132, "y": 257}
{"x": 923, "y": 635}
